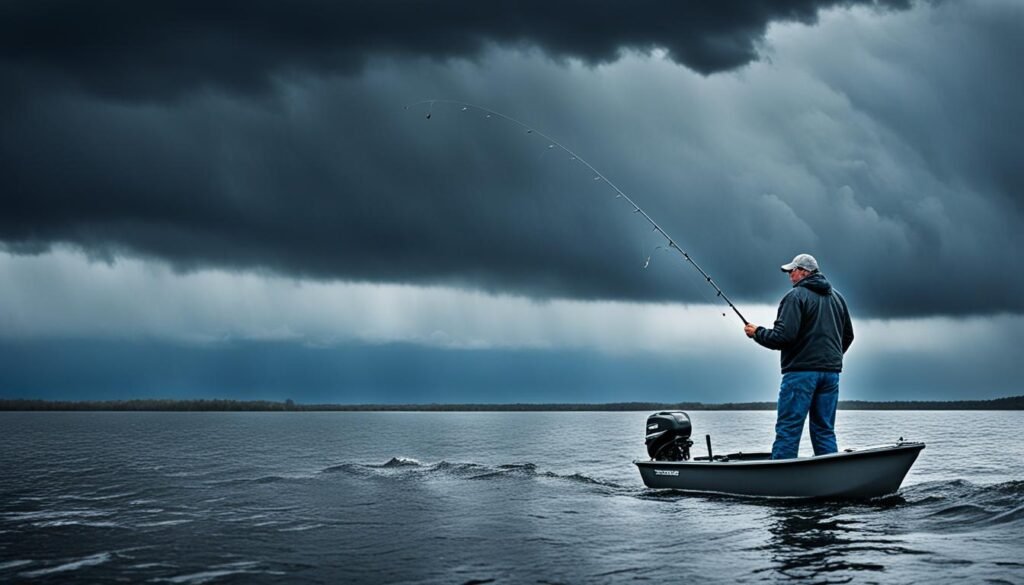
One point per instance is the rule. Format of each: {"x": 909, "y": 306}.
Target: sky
{"x": 288, "y": 200}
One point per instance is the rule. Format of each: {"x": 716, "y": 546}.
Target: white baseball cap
{"x": 805, "y": 261}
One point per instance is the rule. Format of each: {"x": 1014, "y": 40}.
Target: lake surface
{"x": 482, "y": 497}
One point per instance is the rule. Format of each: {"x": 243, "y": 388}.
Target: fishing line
{"x": 689, "y": 281}
{"x": 597, "y": 177}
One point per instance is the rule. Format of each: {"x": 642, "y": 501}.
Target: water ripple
{"x": 325, "y": 497}
{"x": 72, "y": 565}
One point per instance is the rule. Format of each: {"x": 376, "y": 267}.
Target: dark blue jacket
{"x": 813, "y": 328}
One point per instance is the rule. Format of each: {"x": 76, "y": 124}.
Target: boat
{"x": 852, "y": 473}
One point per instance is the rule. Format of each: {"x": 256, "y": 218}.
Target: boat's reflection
{"x": 829, "y": 543}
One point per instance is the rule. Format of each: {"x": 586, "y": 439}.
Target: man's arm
{"x": 787, "y": 325}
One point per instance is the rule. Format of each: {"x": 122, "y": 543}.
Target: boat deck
{"x": 741, "y": 456}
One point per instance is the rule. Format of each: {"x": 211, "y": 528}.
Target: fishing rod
{"x": 598, "y": 176}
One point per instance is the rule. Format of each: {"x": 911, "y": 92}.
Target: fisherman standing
{"x": 812, "y": 330}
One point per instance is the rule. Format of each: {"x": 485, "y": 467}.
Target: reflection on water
{"x": 827, "y": 543}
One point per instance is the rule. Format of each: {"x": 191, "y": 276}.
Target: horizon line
{"x": 288, "y": 405}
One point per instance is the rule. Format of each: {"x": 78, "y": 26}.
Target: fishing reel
{"x": 668, "y": 436}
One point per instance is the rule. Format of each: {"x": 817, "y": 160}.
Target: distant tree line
{"x": 204, "y": 405}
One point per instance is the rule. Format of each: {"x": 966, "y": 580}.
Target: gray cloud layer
{"x": 158, "y": 50}
{"x": 884, "y": 142}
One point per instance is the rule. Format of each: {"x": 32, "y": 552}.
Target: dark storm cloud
{"x": 157, "y": 50}
{"x": 327, "y": 176}
{"x": 324, "y": 191}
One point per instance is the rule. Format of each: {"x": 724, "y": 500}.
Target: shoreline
{"x": 216, "y": 405}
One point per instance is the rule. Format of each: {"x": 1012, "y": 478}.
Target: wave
{"x": 95, "y": 498}
{"x": 402, "y": 462}
{"x": 214, "y": 573}
{"x": 263, "y": 479}
{"x": 343, "y": 467}
{"x": 89, "y": 561}
{"x": 269, "y": 479}
{"x": 368, "y": 469}
{"x": 962, "y": 505}
{"x": 944, "y": 506}
{"x": 202, "y": 576}
{"x": 579, "y": 477}
{"x": 470, "y": 471}
{"x": 301, "y": 527}
{"x": 412, "y": 468}
{"x": 458, "y": 469}
{"x": 85, "y": 523}
{"x": 54, "y": 515}
{"x": 962, "y": 487}
{"x": 159, "y": 523}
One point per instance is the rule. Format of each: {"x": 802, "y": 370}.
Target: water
{"x": 481, "y": 497}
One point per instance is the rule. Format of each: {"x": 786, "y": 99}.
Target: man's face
{"x": 796, "y": 275}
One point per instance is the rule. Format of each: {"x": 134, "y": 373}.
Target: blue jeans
{"x": 800, "y": 393}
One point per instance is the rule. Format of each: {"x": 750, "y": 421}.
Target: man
{"x": 813, "y": 331}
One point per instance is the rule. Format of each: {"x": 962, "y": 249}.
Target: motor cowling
{"x": 668, "y": 436}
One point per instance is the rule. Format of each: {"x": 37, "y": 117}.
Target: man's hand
{"x": 750, "y": 329}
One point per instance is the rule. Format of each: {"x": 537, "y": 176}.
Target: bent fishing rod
{"x": 598, "y": 176}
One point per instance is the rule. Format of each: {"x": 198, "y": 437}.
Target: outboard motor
{"x": 668, "y": 436}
